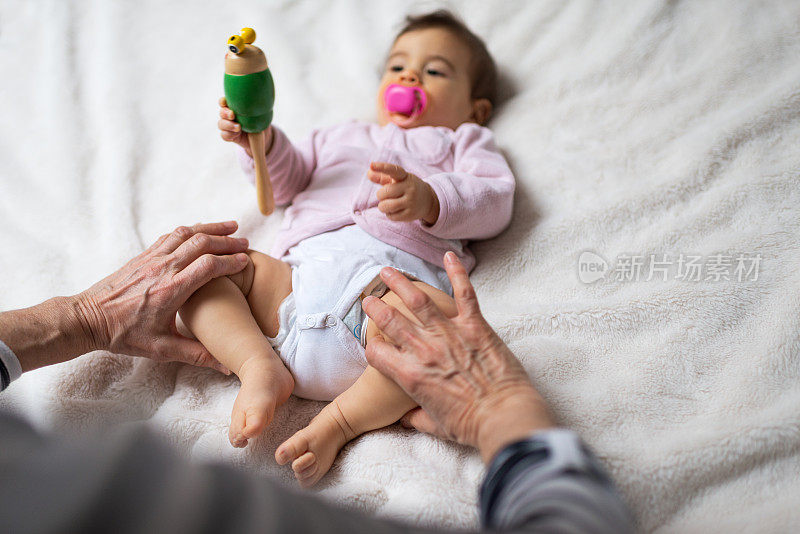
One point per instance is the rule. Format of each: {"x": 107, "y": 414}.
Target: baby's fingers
{"x": 404, "y": 215}
{"x": 395, "y": 172}
{"x": 229, "y": 126}
{"x": 222, "y": 102}
{"x": 227, "y": 113}
{"x": 392, "y": 190}
{"x": 230, "y": 136}
{"x": 378, "y": 177}
{"x": 392, "y": 206}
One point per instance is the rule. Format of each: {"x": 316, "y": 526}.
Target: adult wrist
{"x": 51, "y": 332}
{"x": 519, "y": 414}
{"x": 89, "y": 323}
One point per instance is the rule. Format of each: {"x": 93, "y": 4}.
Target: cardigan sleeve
{"x": 290, "y": 166}
{"x": 476, "y": 199}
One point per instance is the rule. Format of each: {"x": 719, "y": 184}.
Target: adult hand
{"x": 471, "y": 387}
{"x": 133, "y": 310}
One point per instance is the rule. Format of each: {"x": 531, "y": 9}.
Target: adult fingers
{"x": 396, "y": 172}
{"x": 200, "y": 244}
{"x": 158, "y": 242}
{"x": 202, "y": 270}
{"x": 220, "y": 228}
{"x": 421, "y": 421}
{"x": 182, "y": 233}
{"x": 181, "y": 349}
{"x": 216, "y": 228}
{"x": 389, "y": 320}
{"x": 392, "y": 190}
{"x": 463, "y": 292}
{"x": 383, "y": 356}
{"x": 416, "y": 300}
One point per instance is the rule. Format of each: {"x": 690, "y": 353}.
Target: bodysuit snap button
{"x": 309, "y": 321}
{"x": 330, "y": 321}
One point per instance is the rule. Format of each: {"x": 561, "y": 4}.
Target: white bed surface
{"x": 634, "y": 128}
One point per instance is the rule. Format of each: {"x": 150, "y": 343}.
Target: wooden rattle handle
{"x": 266, "y": 202}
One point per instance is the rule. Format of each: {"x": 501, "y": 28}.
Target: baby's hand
{"x": 404, "y": 196}
{"x": 230, "y": 130}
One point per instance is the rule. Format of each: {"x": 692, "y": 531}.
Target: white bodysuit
{"x": 321, "y": 322}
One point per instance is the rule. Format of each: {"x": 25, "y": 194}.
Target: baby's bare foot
{"x": 313, "y": 449}
{"x": 266, "y": 384}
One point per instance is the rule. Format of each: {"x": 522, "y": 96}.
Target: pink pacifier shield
{"x": 404, "y": 99}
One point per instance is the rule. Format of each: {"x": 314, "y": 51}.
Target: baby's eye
{"x": 434, "y": 72}
{"x": 396, "y": 68}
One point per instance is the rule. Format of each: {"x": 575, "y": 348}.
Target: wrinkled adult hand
{"x": 420, "y": 420}
{"x": 471, "y": 387}
{"x": 133, "y": 310}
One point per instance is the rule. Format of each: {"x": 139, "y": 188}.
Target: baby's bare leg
{"x": 372, "y": 402}
{"x": 230, "y": 316}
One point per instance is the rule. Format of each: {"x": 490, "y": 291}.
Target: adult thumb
{"x": 421, "y": 421}
{"x": 185, "y": 350}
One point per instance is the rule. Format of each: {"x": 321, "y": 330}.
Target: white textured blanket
{"x": 659, "y": 139}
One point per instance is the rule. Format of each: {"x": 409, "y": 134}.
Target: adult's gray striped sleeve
{"x": 10, "y": 368}
{"x": 551, "y": 483}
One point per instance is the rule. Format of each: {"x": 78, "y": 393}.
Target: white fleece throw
{"x": 649, "y": 281}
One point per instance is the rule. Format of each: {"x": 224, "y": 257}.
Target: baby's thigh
{"x": 265, "y": 282}
{"x": 442, "y": 300}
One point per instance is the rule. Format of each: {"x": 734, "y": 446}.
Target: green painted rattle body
{"x": 250, "y": 93}
{"x": 251, "y": 97}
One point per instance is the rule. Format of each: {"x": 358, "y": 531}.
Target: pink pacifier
{"x": 405, "y": 99}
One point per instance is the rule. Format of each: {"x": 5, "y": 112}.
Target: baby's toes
{"x": 236, "y": 429}
{"x": 292, "y": 448}
{"x": 256, "y": 419}
{"x": 305, "y": 469}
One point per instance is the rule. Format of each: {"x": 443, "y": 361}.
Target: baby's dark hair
{"x": 482, "y": 66}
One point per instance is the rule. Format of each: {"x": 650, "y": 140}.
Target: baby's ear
{"x": 481, "y": 110}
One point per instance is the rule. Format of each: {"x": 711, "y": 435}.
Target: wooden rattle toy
{"x": 250, "y": 93}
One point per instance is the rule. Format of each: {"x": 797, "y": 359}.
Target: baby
{"x": 402, "y": 192}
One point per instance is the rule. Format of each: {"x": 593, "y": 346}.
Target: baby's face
{"x": 437, "y": 61}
